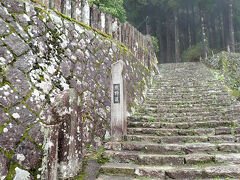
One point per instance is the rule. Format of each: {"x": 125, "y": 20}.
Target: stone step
{"x": 187, "y": 94}
{"x": 109, "y": 177}
{"x": 168, "y": 172}
{"x": 223, "y": 115}
{"x": 182, "y": 110}
{"x": 189, "y": 97}
{"x": 175, "y": 132}
{"x": 205, "y": 102}
{"x": 183, "y": 125}
{"x": 170, "y": 160}
{"x": 186, "y": 148}
{"x": 184, "y": 131}
{"x": 182, "y": 139}
{"x": 197, "y": 84}
{"x": 182, "y": 105}
{"x": 185, "y": 91}
{"x": 174, "y": 119}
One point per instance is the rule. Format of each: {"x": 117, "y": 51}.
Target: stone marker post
{"x": 118, "y": 102}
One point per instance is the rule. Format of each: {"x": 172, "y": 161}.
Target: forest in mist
{"x": 182, "y": 30}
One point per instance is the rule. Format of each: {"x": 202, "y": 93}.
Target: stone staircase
{"x": 187, "y": 128}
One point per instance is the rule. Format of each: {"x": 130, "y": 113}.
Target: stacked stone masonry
{"x": 44, "y": 56}
{"x": 92, "y": 16}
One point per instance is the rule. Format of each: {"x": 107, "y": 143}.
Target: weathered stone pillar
{"x": 119, "y": 31}
{"x": 50, "y": 160}
{"x": 127, "y": 34}
{"x": 46, "y": 3}
{"x": 62, "y": 150}
{"x": 85, "y": 12}
{"x": 94, "y": 20}
{"x": 76, "y": 9}
{"x": 118, "y": 102}
{"x": 51, "y": 3}
{"x": 103, "y": 21}
{"x": 57, "y": 5}
{"x": 115, "y": 29}
{"x": 109, "y": 24}
{"x": 123, "y": 33}
{"x": 67, "y": 7}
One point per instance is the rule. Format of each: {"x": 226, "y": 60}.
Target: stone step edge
{"x": 173, "y": 160}
{"x": 232, "y": 171}
{"x": 146, "y": 118}
{"x": 186, "y": 148}
{"x": 195, "y": 139}
{"x": 184, "y": 125}
{"x": 109, "y": 177}
{"x": 183, "y": 132}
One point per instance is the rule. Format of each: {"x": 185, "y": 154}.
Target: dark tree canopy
{"x": 113, "y": 7}
{"x": 192, "y": 28}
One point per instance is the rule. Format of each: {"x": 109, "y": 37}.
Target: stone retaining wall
{"x": 97, "y": 19}
{"x": 43, "y": 54}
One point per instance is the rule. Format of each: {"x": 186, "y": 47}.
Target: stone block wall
{"x": 97, "y": 19}
{"x": 43, "y": 54}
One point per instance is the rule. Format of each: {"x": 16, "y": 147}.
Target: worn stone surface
{"x": 8, "y": 97}
{"x": 14, "y": 6}
{"x": 11, "y": 136}
{"x": 6, "y": 56}
{"x": 22, "y": 174}
{"x": 4, "y": 164}
{"x": 229, "y": 147}
{"x": 37, "y": 133}
{"x": 4, "y": 117}
{"x": 28, "y": 155}
{"x": 5, "y": 29}
{"x": 19, "y": 81}
{"x": 223, "y": 171}
{"x": 23, "y": 115}
{"x": 223, "y": 130}
{"x": 199, "y": 158}
{"x": 16, "y": 44}
{"x": 184, "y": 173}
{"x": 5, "y": 14}
{"x": 92, "y": 170}
{"x": 20, "y": 30}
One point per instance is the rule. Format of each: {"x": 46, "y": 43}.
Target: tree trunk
{"x": 189, "y": 28}
{"x": 160, "y": 42}
{"x": 168, "y": 40}
{"x": 231, "y": 29}
{"x": 225, "y": 24}
{"x": 204, "y": 37}
{"x": 177, "y": 46}
{"x": 194, "y": 39}
{"x": 221, "y": 33}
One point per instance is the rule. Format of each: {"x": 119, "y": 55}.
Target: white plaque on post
{"x": 118, "y": 102}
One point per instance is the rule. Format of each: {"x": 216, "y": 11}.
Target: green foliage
{"x": 193, "y": 53}
{"x": 227, "y": 68}
{"x": 155, "y": 44}
{"x": 113, "y": 7}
